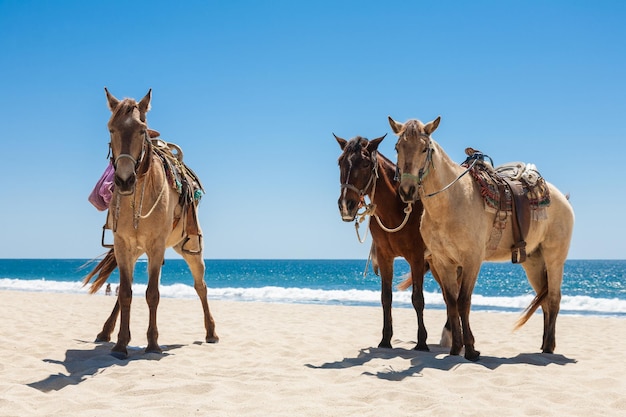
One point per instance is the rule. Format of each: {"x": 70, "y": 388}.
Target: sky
{"x": 253, "y": 91}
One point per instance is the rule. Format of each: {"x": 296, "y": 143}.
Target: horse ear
{"x": 113, "y": 102}
{"x": 432, "y": 126}
{"x": 373, "y": 144}
{"x": 342, "y": 142}
{"x": 395, "y": 126}
{"x": 144, "y": 104}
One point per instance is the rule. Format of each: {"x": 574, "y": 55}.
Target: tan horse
{"x": 146, "y": 213}
{"x": 456, "y": 229}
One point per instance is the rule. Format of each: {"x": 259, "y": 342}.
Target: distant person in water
{"x": 108, "y": 290}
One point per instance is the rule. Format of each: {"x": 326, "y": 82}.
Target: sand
{"x": 298, "y": 360}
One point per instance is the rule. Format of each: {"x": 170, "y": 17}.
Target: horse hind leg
{"x": 109, "y": 325}
{"x": 547, "y": 283}
{"x": 196, "y": 265}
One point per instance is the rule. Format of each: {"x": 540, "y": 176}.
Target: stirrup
{"x": 192, "y": 252}
{"x": 518, "y": 252}
{"x": 105, "y": 245}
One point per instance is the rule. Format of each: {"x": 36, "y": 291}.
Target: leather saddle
{"x": 512, "y": 181}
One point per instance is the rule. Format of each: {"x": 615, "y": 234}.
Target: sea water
{"x": 590, "y": 287}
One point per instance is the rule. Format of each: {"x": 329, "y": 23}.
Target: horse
{"x": 366, "y": 172}
{"x": 148, "y": 215}
{"x": 457, "y": 230}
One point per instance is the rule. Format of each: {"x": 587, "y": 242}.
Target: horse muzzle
{"x": 408, "y": 192}
{"x": 125, "y": 186}
{"x": 348, "y": 209}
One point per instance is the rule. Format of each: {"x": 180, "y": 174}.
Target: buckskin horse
{"x": 149, "y": 213}
{"x": 459, "y": 232}
{"x": 395, "y": 232}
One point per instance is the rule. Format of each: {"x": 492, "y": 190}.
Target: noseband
{"x": 424, "y": 170}
{"x": 139, "y": 164}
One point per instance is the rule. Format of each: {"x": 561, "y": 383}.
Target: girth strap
{"x": 520, "y": 206}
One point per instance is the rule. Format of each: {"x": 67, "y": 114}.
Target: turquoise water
{"x": 595, "y": 287}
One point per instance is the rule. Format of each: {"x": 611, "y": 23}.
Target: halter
{"x": 142, "y": 165}
{"x": 477, "y": 156}
{"x": 424, "y": 170}
{"x": 136, "y": 162}
{"x": 373, "y": 176}
{"x": 370, "y": 209}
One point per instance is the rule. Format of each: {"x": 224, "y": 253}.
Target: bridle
{"x": 424, "y": 170}
{"x": 372, "y": 180}
{"x": 428, "y": 163}
{"x": 370, "y": 209}
{"x": 142, "y": 166}
{"x": 136, "y": 162}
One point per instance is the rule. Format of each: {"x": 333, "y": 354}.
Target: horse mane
{"x": 412, "y": 128}
{"x": 354, "y": 145}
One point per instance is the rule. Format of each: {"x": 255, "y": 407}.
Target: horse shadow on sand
{"x": 83, "y": 363}
{"x": 437, "y": 358}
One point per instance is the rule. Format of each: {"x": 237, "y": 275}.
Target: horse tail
{"x": 530, "y": 310}
{"x": 408, "y": 281}
{"x": 104, "y": 269}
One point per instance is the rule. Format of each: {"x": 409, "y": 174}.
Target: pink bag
{"x": 102, "y": 193}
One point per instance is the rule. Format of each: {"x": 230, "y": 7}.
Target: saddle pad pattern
{"x": 536, "y": 190}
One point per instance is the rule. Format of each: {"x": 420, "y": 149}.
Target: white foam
{"x": 573, "y": 304}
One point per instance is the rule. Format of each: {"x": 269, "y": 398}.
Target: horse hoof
{"x": 119, "y": 355}
{"x": 422, "y": 348}
{"x": 119, "y": 352}
{"x": 214, "y": 339}
{"x": 154, "y": 349}
{"x": 385, "y": 345}
{"x": 102, "y": 339}
{"x": 472, "y": 356}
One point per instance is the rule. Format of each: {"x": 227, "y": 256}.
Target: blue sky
{"x": 252, "y": 92}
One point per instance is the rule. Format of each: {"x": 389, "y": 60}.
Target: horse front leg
{"x": 124, "y": 298}
{"x": 152, "y": 299}
{"x": 196, "y": 265}
{"x": 447, "y": 278}
{"x": 465, "y": 302}
{"x": 109, "y": 325}
{"x": 386, "y": 298}
{"x": 417, "y": 298}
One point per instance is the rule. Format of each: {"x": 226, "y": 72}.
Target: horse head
{"x": 129, "y": 139}
{"x": 357, "y": 173}
{"x": 414, "y": 155}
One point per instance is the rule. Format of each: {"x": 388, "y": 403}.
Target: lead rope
{"x": 138, "y": 214}
{"x": 369, "y": 259}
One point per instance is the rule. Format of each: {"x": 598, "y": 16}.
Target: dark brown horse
{"x": 148, "y": 215}
{"x": 394, "y": 226}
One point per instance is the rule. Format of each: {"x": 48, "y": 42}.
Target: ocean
{"x": 590, "y": 287}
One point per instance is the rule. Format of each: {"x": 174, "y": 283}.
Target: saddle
{"x": 514, "y": 188}
{"x": 189, "y": 188}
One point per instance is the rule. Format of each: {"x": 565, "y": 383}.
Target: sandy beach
{"x": 298, "y": 360}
